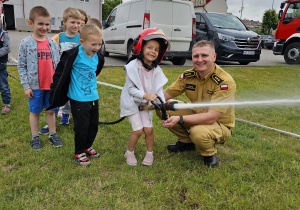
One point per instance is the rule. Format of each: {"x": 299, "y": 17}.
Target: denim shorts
{"x": 39, "y": 101}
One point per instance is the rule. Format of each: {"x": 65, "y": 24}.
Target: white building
{"x": 17, "y": 11}
{"x": 219, "y": 6}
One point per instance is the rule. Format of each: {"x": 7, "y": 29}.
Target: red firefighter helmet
{"x": 150, "y": 34}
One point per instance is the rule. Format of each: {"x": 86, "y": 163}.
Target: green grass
{"x": 259, "y": 168}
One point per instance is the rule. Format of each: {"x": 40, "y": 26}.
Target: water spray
{"x": 236, "y": 103}
{"x": 174, "y": 105}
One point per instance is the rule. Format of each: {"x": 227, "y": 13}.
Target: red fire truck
{"x": 288, "y": 32}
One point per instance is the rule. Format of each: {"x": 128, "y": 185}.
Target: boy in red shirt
{"x": 38, "y": 58}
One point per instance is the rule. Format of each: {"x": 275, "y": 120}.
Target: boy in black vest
{"x": 4, "y": 86}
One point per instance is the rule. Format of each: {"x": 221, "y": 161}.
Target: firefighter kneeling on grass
{"x": 202, "y": 128}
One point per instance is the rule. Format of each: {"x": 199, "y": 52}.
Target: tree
{"x": 108, "y": 6}
{"x": 270, "y": 21}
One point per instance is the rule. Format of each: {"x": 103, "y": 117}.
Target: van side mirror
{"x": 202, "y": 27}
{"x": 280, "y": 14}
{"x": 282, "y": 5}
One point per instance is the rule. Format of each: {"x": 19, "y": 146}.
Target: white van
{"x": 175, "y": 17}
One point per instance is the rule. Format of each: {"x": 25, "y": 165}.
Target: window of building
{"x": 87, "y": 1}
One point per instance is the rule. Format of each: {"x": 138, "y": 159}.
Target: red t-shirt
{"x": 45, "y": 65}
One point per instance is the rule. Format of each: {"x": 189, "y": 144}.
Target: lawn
{"x": 259, "y": 168}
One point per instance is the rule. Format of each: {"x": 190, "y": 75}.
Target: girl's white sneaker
{"x": 148, "y": 160}
{"x": 130, "y": 158}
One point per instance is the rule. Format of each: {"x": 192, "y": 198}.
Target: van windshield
{"x": 225, "y": 21}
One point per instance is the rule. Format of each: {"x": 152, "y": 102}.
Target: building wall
{"x": 55, "y": 8}
{"x": 219, "y": 6}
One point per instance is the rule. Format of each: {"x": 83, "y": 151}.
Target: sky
{"x": 253, "y": 9}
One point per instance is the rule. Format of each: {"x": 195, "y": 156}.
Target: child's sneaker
{"x": 148, "y": 160}
{"x": 44, "y": 130}
{"x": 55, "y": 140}
{"x": 90, "y": 152}
{"x": 36, "y": 143}
{"x": 5, "y": 109}
{"x": 130, "y": 158}
{"x": 65, "y": 119}
{"x": 82, "y": 160}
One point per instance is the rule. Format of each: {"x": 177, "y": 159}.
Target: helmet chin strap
{"x": 146, "y": 66}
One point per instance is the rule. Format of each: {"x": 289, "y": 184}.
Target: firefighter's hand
{"x": 28, "y": 93}
{"x": 150, "y": 97}
{"x": 170, "y": 122}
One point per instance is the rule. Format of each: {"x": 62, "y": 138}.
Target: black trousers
{"x": 86, "y": 118}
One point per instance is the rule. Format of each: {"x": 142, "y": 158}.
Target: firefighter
{"x": 202, "y": 128}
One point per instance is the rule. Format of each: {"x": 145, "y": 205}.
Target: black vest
{"x": 4, "y": 58}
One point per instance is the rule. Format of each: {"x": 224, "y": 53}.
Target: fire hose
{"x": 13, "y": 77}
{"x": 162, "y": 107}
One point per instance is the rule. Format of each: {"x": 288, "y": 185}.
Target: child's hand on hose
{"x": 150, "y": 97}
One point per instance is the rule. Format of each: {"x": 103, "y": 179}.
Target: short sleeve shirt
{"x": 66, "y": 43}
{"x": 216, "y": 87}
{"x": 45, "y": 65}
{"x": 83, "y": 84}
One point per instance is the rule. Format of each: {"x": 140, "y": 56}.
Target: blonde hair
{"x": 203, "y": 43}
{"x": 88, "y": 29}
{"x": 71, "y": 13}
{"x": 94, "y": 21}
{"x": 38, "y": 11}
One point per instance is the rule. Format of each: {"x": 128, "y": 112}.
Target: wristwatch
{"x": 180, "y": 120}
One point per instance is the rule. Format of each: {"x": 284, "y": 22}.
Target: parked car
{"x": 269, "y": 42}
{"x": 175, "y": 18}
{"x": 263, "y": 38}
{"x": 232, "y": 39}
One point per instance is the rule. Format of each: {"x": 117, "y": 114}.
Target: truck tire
{"x": 103, "y": 50}
{"x": 292, "y": 53}
{"x": 178, "y": 61}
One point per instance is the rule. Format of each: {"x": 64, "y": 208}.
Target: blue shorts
{"x": 39, "y": 101}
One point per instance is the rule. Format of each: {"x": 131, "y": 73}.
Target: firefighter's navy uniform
{"x": 216, "y": 87}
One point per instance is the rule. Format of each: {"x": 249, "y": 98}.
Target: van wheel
{"x": 103, "y": 50}
{"x": 244, "y": 63}
{"x": 129, "y": 50}
{"x": 292, "y": 53}
{"x": 178, "y": 61}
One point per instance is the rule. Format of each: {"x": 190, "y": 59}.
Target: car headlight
{"x": 225, "y": 37}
